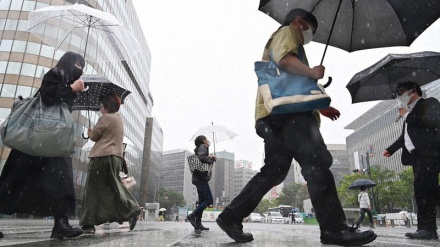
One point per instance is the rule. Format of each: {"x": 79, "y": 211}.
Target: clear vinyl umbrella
{"x": 99, "y": 35}
{"x": 218, "y": 133}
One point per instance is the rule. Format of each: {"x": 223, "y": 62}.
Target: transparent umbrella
{"x": 219, "y": 133}
{"x": 98, "y": 35}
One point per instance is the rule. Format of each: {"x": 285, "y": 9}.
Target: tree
{"x": 294, "y": 195}
{"x": 264, "y": 205}
{"x": 393, "y": 190}
{"x": 169, "y": 198}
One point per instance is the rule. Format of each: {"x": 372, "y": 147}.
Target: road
{"x": 36, "y": 233}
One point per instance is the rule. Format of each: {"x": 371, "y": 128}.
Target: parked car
{"x": 275, "y": 217}
{"x": 254, "y": 217}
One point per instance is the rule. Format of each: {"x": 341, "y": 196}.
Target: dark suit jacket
{"x": 423, "y": 129}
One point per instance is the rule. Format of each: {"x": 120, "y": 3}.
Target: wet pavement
{"x": 36, "y": 233}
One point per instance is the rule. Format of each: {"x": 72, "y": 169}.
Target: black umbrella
{"x": 357, "y": 184}
{"x": 96, "y": 85}
{"x": 379, "y": 81}
{"x": 362, "y": 24}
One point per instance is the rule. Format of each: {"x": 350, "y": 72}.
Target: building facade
{"x": 243, "y": 173}
{"x": 222, "y": 180}
{"x": 377, "y": 129}
{"x": 24, "y": 59}
{"x": 175, "y": 175}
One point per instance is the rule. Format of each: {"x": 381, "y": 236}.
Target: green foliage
{"x": 264, "y": 205}
{"x": 169, "y": 198}
{"x": 393, "y": 190}
{"x": 294, "y": 194}
{"x": 311, "y": 221}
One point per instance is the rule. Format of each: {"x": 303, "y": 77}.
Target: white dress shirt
{"x": 408, "y": 143}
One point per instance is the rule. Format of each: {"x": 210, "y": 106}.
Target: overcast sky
{"x": 203, "y": 54}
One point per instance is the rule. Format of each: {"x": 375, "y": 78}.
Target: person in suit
{"x": 420, "y": 143}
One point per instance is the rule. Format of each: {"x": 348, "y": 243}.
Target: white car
{"x": 254, "y": 217}
{"x": 275, "y": 217}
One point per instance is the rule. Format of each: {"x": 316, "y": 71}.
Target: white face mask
{"x": 308, "y": 35}
{"x": 405, "y": 97}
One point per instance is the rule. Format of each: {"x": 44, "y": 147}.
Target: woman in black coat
{"x": 200, "y": 179}
{"x": 43, "y": 186}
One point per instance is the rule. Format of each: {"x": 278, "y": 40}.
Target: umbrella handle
{"x": 328, "y": 82}
{"x": 85, "y": 89}
{"x": 85, "y": 137}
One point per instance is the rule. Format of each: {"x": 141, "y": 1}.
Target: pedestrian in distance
{"x": 365, "y": 207}
{"x": 420, "y": 144}
{"x": 105, "y": 197}
{"x": 405, "y": 219}
{"x": 200, "y": 179}
{"x": 160, "y": 214}
{"x": 43, "y": 186}
{"x": 294, "y": 136}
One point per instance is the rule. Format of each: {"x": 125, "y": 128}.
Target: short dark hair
{"x": 67, "y": 64}
{"x": 363, "y": 188}
{"x": 409, "y": 85}
{"x": 304, "y": 14}
{"x": 111, "y": 102}
{"x": 199, "y": 140}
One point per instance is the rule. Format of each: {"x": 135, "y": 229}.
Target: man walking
{"x": 365, "y": 207}
{"x": 294, "y": 136}
{"x": 420, "y": 143}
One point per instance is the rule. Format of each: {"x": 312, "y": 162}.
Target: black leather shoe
{"x": 347, "y": 237}
{"x": 422, "y": 234}
{"x": 62, "y": 229}
{"x": 234, "y": 230}
{"x": 192, "y": 219}
{"x": 1, "y": 235}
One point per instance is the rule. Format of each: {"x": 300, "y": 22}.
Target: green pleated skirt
{"x": 105, "y": 198}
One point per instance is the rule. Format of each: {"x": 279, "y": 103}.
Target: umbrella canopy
{"x": 97, "y": 85}
{"x": 357, "y": 184}
{"x": 85, "y": 30}
{"x": 163, "y": 209}
{"x": 89, "y": 144}
{"x": 379, "y": 81}
{"x": 362, "y": 24}
{"x": 218, "y": 133}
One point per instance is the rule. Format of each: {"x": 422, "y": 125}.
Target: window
{"x": 24, "y": 91}
{"x": 28, "y": 5}
{"x": 8, "y": 90}
{"x": 13, "y": 68}
{"x": 28, "y": 69}
{"x": 47, "y": 51}
{"x": 4, "y": 112}
{"x": 4, "y": 4}
{"x": 33, "y": 48}
{"x": 19, "y": 46}
{"x": 11, "y": 24}
{"x": 16, "y": 4}
{"x": 5, "y": 45}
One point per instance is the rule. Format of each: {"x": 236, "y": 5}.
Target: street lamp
{"x": 367, "y": 160}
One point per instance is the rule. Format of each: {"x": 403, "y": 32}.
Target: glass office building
{"x": 377, "y": 129}
{"x": 24, "y": 59}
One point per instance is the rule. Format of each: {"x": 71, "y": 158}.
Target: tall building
{"x": 222, "y": 180}
{"x": 340, "y": 166}
{"x": 152, "y": 156}
{"x": 24, "y": 59}
{"x": 175, "y": 175}
{"x": 243, "y": 173}
{"x": 377, "y": 129}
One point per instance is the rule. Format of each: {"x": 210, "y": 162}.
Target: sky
{"x": 202, "y": 71}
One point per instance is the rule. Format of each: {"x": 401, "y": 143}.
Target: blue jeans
{"x": 205, "y": 197}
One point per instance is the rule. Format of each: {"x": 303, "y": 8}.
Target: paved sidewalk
{"x": 36, "y": 233}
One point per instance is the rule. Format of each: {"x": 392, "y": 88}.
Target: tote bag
{"x": 38, "y": 129}
{"x": 200, "y": 168}
{"x": 283, "y": 92}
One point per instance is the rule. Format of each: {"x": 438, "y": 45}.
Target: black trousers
{"x": 362, "y": 216}
{"x": 286, "y": 137}
{"x": 426, "y": 171}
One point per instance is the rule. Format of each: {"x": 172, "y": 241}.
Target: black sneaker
{"x": 1, "y": 235}
{"x": 234, "y": 230}
{"x": 347, "y": 237}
